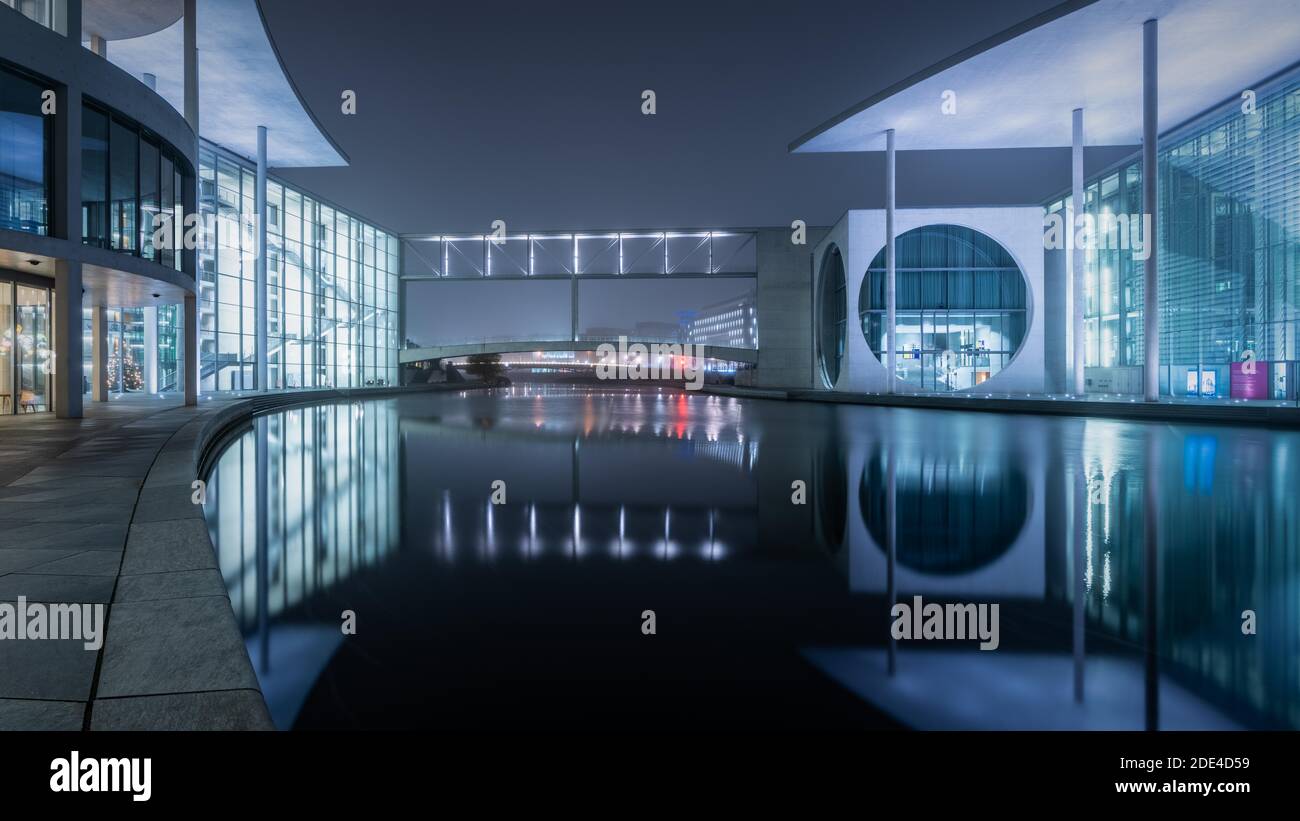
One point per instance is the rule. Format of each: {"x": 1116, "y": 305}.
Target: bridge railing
{"x": 581, "y": 254}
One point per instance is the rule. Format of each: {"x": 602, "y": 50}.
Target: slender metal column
{"x": 1078, "y": 262}
{"x": 891, "y": 358}
{"x": 573, "y": 306}
{"x": 191, "y": 48}
{"x": 259, "y": 301}
{"x": 1150, "y": 206}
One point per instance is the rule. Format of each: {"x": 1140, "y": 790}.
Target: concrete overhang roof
{"x": 242, "y": 84}
{"x": 1018, "y": 88}
{"x": 121, "y": 19}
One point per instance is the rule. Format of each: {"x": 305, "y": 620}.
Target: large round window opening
{"x": 960, "y": 307}
{"x": 832, "y": 316}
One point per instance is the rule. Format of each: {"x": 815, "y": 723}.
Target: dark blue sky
{"x": 530, "y": 111}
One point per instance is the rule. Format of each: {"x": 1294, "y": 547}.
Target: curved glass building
{"x": 190, "y": 265}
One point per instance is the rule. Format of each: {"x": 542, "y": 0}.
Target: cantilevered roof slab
{"x": 120, "y": 19}
{"x": 1017, "y": 89}
{"x": 242, "y": 84}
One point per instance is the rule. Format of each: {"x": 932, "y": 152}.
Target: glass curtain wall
{"x": 332, "y": 284}
{"x": 26, "y": 358}
{"x": 1229, "y": 259}
{"x": 24, "y": 155}
{"x": 961, "y": 307}
{"x": 142, "y": 349}
{"x": 128, "y": 180}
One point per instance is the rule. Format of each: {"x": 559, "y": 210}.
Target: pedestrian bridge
{"x": 747, "y": 356}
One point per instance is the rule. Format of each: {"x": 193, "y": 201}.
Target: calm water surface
{"x": 1121, "y": 557}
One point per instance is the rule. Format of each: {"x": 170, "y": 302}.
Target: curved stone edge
{"x": 175, "y": 658}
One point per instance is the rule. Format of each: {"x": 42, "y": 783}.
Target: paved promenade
{"x": 97, "y": 510}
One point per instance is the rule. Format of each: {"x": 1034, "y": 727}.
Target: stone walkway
{"x": 98, "y": 511}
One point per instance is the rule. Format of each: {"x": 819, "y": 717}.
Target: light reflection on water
{"x": 523, "y": 614}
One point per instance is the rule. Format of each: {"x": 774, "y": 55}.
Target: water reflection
{"x": 1122, "y": 556}
{"x": 952, "y": 515}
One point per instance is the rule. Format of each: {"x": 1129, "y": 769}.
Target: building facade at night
{"x": 198, "y": 270}
{"x": 731, "y": 323}
{"x": 1229, "y": 250}
{"x": 1221, "y": 196}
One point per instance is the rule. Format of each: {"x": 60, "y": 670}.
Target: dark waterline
{"x": 528, "y": 615}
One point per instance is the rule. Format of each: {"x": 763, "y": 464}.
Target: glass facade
{"x": 1229, "y": 254}
{"x": 40, "y": 11}
{"x": 332, "y": 287}
{"x": 960, "y": 307}
{"x": 129, "y": 178}
{"x": 143, "y": 345}
{"x": 25, "y": 136}
{"x": 26, "y": 356}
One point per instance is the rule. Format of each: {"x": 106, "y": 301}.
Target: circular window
{"x": 832, "y": 316}
{"x": 961, "y": 307}
{"x": 953, "y": 516}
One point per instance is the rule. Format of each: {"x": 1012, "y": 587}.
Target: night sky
{"x": 530, "y": 112}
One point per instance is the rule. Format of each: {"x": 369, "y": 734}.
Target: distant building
{"x": 731, "y": 323}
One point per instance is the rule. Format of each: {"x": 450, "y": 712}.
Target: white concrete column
{"x": 98, "y": 45}
{"x": 99, "y": 373}
{"x": 150, "y": 80}
{"x": 67, "y": 339}
{"x": 191, "y": 49}
{"x": 1078, "y": 259}
{"x": 1150, "y": 207}
{"x": 150, "y": 321}
{"x": 891, "y": 319}
{"x": 259, "y": 300}
{"x": 189, "y": 339}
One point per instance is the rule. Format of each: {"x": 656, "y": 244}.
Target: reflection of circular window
{"x": 961, "y": 307}
{"x": 953, "y": 516}
{"x": 832, "y": 316}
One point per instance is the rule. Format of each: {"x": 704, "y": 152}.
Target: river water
{"x": 392, "y": 592}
